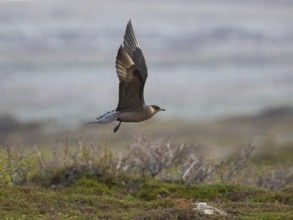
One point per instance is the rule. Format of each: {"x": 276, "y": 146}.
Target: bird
{"x": 132, "y": 72}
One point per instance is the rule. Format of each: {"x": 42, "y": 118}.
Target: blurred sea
{"x": 206, "y": 59}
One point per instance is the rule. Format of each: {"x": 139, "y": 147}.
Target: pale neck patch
{"x": 150, "y": 109}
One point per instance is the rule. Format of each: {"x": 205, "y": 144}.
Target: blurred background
{"x": 222, "y": 70}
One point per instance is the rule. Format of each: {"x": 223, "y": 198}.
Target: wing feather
{"x": 132, "y": 47}
{"x": 132, "y": 73}
{"x": 124, "y": 65}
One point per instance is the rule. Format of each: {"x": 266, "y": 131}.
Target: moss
{"x": 154, "y": 189}
{"x": 90, "y": 199}
{"x": 283, "y": 197}
{"x": 259, "y": 211}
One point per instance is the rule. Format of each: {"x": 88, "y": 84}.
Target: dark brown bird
{"x": 132, "y": 73}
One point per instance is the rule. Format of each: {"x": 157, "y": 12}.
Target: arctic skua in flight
{"x": 132, "y": 73}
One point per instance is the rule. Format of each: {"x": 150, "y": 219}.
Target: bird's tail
{"x": 106, "y": 118}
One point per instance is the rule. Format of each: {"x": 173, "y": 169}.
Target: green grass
{"x": 89, "y": 198}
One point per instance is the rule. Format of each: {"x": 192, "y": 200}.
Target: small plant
{"x": 198, "y": 171}
{"x": 152, "y": 157}
{"x": 79, "y": 159}
{"x": 275, "y": 179}
{"x": 237, "y": 164}
{"x": 15, "y": 167}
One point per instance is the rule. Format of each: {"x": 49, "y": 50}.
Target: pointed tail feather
{"x": 106, "y": 118}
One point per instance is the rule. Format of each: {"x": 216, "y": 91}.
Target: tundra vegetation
{"x": 149, "y": 177}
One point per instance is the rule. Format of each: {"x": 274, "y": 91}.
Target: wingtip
{"x": 129, "y": 24}
{"x": 130, "y": 38}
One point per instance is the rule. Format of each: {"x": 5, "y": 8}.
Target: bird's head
{"x": 157, "y": 108}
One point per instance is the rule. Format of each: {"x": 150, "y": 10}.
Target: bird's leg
{"x": 117, "y": 127}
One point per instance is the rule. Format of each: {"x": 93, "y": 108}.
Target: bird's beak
{"x": 162, "y": 109}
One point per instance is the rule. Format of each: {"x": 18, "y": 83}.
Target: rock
{"x": 208, "y": 210}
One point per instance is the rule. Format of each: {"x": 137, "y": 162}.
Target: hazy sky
{"x": 205, "y": 58}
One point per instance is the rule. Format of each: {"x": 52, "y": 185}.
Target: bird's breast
{"x": 133, "y": 116}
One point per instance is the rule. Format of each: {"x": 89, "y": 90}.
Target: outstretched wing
{"x": 132, "y": 72}
{"x": 132, "y": 47}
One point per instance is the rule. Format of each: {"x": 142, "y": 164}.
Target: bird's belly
{"x": 132, "y": 117}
